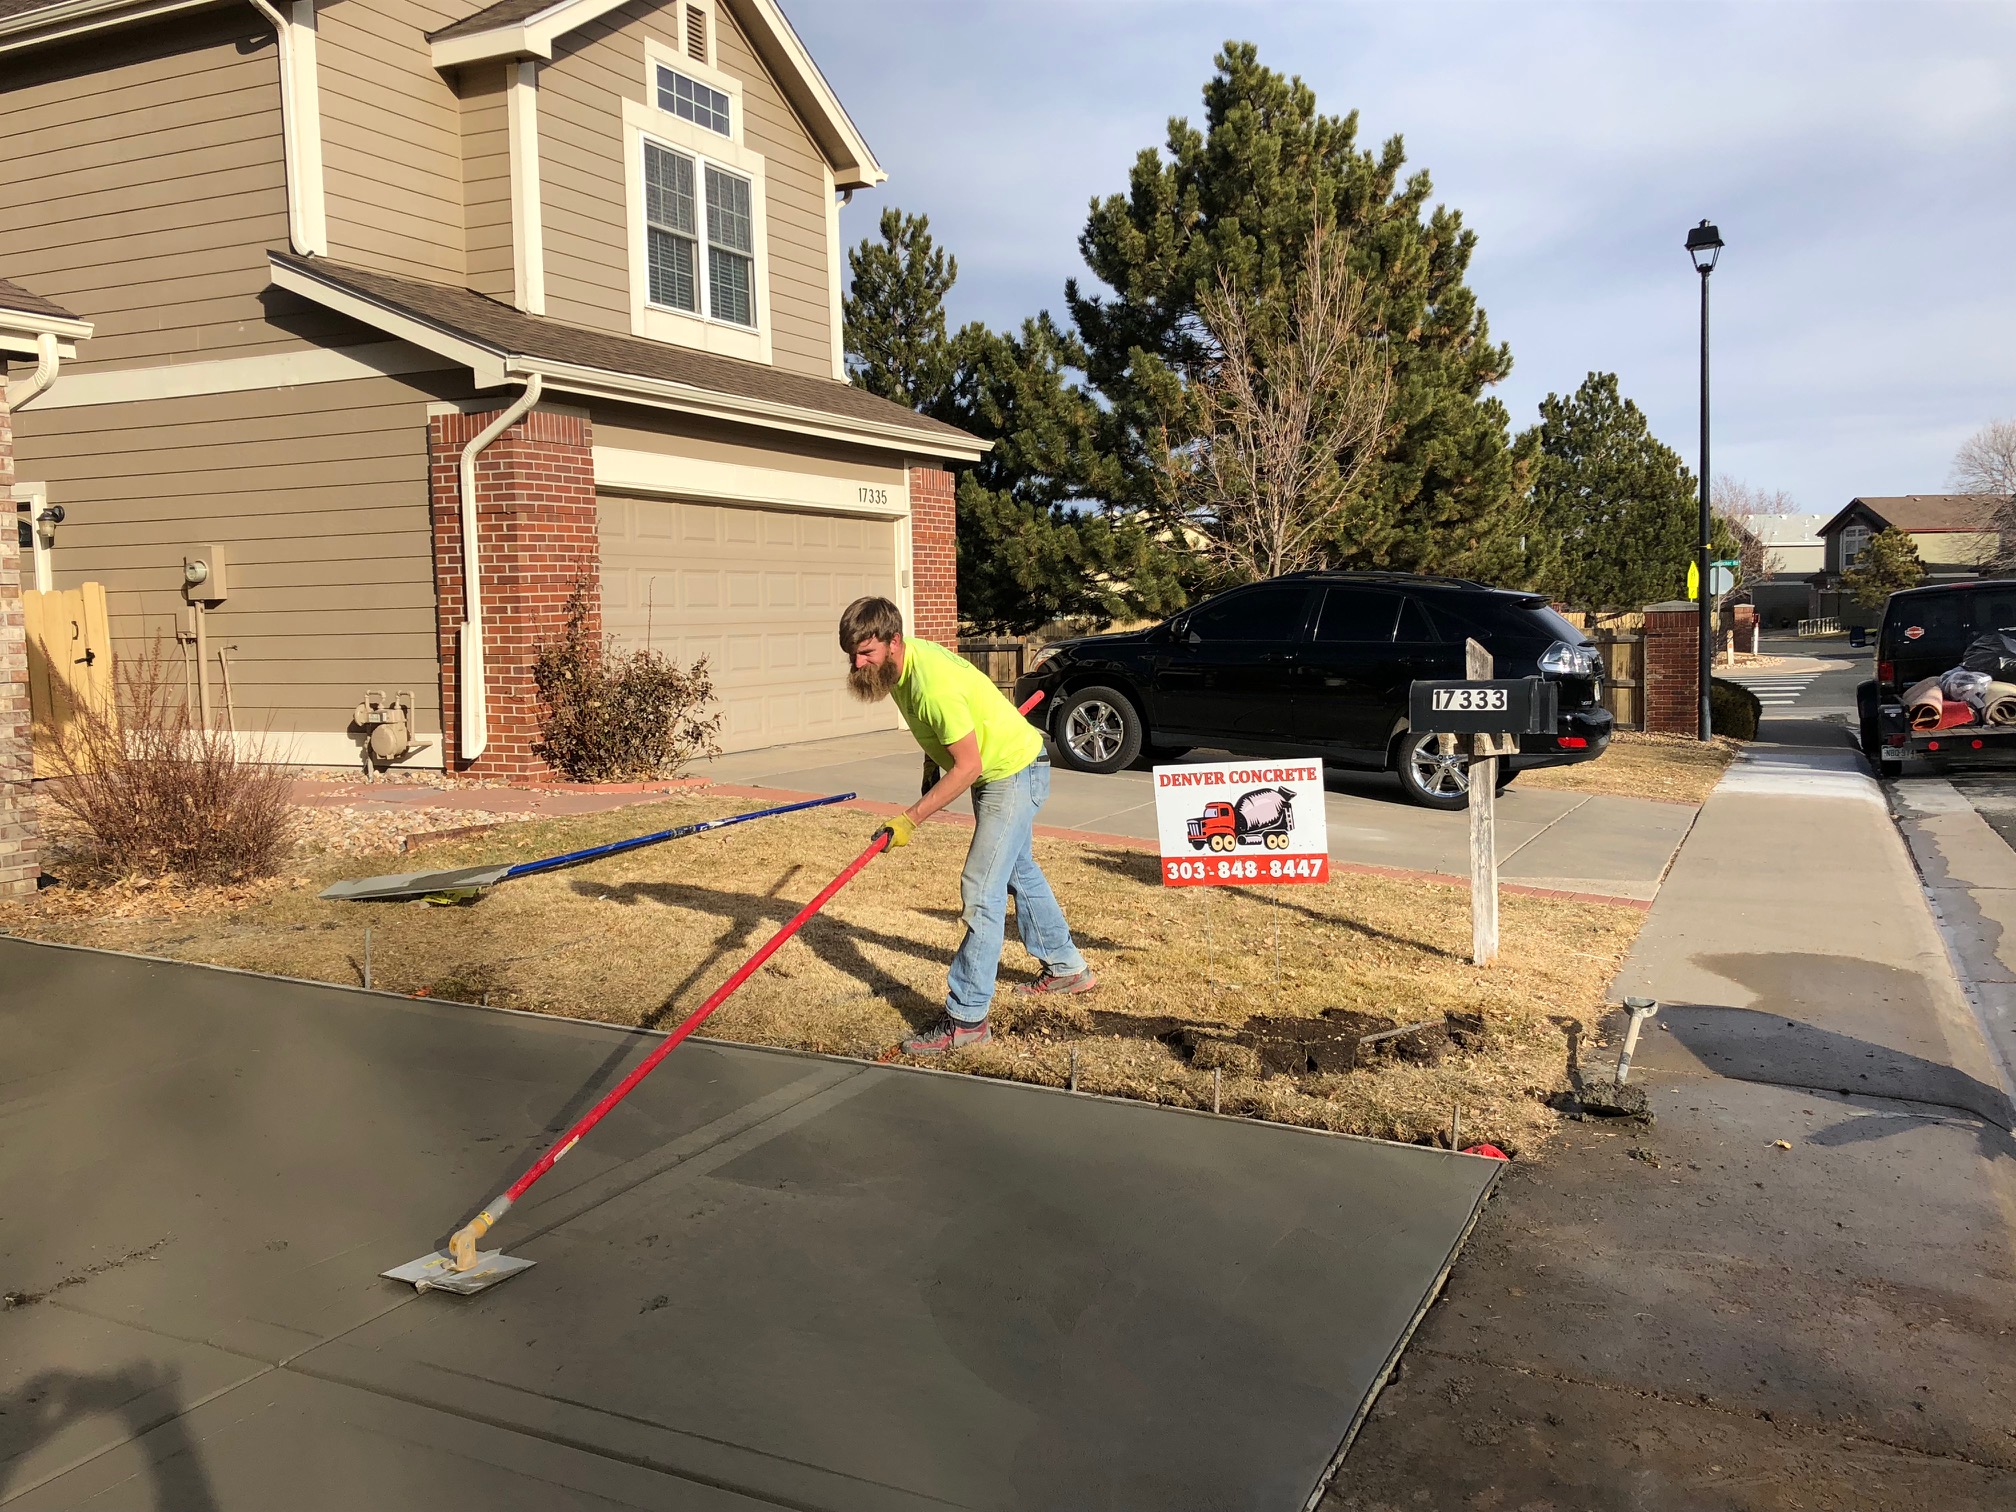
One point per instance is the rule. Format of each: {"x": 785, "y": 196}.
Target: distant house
{"x": 1793, "y": 553}
{"x": 1954, "y": 534}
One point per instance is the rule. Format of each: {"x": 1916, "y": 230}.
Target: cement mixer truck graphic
{"x": 1262, "y": 817}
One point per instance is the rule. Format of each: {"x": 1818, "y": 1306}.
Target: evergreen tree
{"x": 1889, "y": 564}
{"x": 1028, "y": 553}
{"x": 1236, "y": 203}
{"x": 1617, "y": 513}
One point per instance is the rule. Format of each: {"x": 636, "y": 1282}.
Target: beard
{"x": 873, "y": 684}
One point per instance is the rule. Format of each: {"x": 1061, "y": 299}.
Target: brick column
{"x": 934, "y": 555}
{"x": 1740, "y": 620}
{"x": 1672, "y": 674}
{"x": 536, "y": 536}
{"x": 20, "y": 843}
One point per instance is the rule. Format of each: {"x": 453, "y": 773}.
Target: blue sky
{"x": 1858, "y": 158}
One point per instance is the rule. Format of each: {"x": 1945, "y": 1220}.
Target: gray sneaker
{"x": 946, "y": 1035}
{"x": 1059, "y": 986}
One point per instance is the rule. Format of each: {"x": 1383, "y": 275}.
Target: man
{"x": 979, "y": 741}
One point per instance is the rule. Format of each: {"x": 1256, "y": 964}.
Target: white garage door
{"x": 758, "y": 592}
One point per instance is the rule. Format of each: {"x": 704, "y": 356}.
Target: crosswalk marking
{"x": 1779, "y": 692}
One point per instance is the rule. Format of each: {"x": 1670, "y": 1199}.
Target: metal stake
{"x": 1456, "y": 1126}
{"x": 367, "y": 957}
{"x": 1640, "y": 1010}
{"x": 1074, "y": 1069}
{"x": 1217, "y": 1085}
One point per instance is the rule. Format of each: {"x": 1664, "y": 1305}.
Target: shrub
{"x": 149, "y": 792}
{"x": 609, "y": 715}
{"x": 1733, "y": 710}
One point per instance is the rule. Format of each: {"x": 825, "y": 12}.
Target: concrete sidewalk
{"x": 1794, "y": 1290}
{"x": 1569, "y": 842}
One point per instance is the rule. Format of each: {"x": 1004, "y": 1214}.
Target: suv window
{"x": 1940, "y": 620}
{"x": 1414, "y": 625}
{"x": 1263, "y": 614}
{"x": 1357, "y": 614}
{"x": 1994, "y": 608}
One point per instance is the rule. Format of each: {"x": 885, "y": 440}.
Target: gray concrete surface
{"x": 1797, "y": 1287}
{"x": 1619, "y": 847}
{"x": 767, "y": 1280}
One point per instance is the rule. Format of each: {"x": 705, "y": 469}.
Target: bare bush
{"x": 610, "y": 715}
{"x": 1289, "y": 417}
{"x": 1986, "y": 464}
{"x": 147, "y": 791}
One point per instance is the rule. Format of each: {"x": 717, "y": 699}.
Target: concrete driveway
{"x": 767, "y": 1280}
{"x": 1615, "y": 847}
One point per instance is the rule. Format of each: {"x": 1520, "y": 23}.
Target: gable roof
{"x": 529, "y": 28}
{"x": 18, "y": 301}
{"x": 499, "y": 344}
{"x": 1920, "y": 514}
{"x": 27, "y": 320}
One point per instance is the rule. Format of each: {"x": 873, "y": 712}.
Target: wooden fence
{"x": 1620, "y": 640}
{"x": 69, "y": 663}
{"x": 1004, "y": 661}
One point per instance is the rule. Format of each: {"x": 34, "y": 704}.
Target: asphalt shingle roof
{"x": 1923, "y": 512}
{"x": 504, "y": 13}
{"x": 14, "y": 297}
{"x": 477, "y": 318}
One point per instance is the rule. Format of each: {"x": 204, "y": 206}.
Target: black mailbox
{"x": 1505, "y": 706}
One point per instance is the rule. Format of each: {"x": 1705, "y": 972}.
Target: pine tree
{"x": 1889, "y": 564}
{"x": 1617, "y": 513}
{"x": 1237, "y": 202}
{"x": 1028, "y": 551}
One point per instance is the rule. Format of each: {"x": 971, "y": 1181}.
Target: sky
{"x": 1858, "y": 159}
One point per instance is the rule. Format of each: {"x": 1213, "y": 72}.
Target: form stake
{"x": 1456, "y": 1126}
{"x": 1074, "y": 1068}
{"x": 367, "y": 957}
{"x": 1217, "y": 1085}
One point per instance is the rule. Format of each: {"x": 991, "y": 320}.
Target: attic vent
{"x": 696, "y": 34}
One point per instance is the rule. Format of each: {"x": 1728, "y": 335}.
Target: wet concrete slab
{"x": 766, "y": 1280}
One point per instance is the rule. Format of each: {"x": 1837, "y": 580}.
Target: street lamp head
{"x": 1704, "y": 245}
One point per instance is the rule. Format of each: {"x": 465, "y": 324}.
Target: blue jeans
{"x": 1003, "y": 860}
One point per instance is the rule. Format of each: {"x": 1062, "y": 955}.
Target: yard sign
{"x": 1242, "y": 823}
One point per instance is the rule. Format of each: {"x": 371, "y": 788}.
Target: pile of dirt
{"x": 1337, "y": 1040}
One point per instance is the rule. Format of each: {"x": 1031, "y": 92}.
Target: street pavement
{"x": 1797, "y": 1286}
{"x": 1574, "y": 842}
{"x": 767, "y": 1280}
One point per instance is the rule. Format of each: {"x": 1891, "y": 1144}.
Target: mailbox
{"x": 1503, "y": 706}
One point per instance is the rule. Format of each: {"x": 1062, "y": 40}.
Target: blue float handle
{"x": 616, "y": 847}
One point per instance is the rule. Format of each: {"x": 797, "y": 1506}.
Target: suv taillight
{"x": 1886, "y": 672}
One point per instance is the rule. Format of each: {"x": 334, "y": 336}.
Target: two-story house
{"x": 373, "y": 301}
{"x": 1955, "y": 535}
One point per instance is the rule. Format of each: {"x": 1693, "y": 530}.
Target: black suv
{"x": 1925, "y": 633}
{"x": 1314, "y": 664}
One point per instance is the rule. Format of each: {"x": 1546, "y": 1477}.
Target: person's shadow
{"x": 147, "y": 1396}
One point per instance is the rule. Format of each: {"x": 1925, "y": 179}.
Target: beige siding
{"x": 486, "y": 181}
{"x": 633, "y": 429}
{"x": 581, "y": 162}
{"x": 391, "y": 139}
{"x": 141, "y": 182}
{"x": 318, "y": 496}
{"x": 1955, "y": 547}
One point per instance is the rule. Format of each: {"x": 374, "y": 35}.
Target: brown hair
{"x": 869, "y": 617}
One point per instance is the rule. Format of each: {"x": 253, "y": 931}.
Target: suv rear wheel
{"x": 1097, "y": 730}
{"x": 1865, "y": 717}
{"x": 1434, "y": 778}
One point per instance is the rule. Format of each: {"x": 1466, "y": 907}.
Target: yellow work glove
{"x": 899, "y": 830}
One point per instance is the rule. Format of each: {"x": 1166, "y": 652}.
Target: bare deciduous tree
{"x": 1738, "y": 503}
{"x": 1986, "y": 464}
{"x": 1289, "y": 416}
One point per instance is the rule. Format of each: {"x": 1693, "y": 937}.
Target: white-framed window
{"x": 1854, "y": 541}
{"x": 700, "y": 236}
{"x": 705, "y": 106}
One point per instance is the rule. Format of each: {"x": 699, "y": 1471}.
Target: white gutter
{"x": 300, "y": 125}
{"x": 472, "y": 697}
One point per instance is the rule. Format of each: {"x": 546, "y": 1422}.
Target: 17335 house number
{"x": 874, "y": 495}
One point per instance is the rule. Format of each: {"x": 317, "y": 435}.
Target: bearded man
{"x": 980, "y": 742}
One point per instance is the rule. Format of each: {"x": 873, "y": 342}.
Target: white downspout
{"x": 45, "y": 370}
{"x": 471, "y": 692}
{"x": 300, "y": 125}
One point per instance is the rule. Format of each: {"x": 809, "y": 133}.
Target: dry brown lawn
{"x": 1677, "y": 768}
{"x": 642, "y": 938}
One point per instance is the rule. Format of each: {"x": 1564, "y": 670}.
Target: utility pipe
{"x": 202, "y": 665}
{"x": 473, "y": 722}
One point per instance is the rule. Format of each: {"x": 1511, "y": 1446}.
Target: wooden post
{"x": 1483, "y": 823}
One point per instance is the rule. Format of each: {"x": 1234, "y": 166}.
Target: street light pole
{"x": 1704, "y": 245}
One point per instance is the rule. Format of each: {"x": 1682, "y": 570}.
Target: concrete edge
{"x": 633, "y": 1030}
{"x": 1392, "y": 1361}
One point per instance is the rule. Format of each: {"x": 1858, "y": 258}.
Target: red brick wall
{"x": 20, "y": 846}
{"x": 536, "y": 537}
{"x": 1673, "y": 669}
{"x": 1739, "y": 621}
{"x": 934, "y": 556}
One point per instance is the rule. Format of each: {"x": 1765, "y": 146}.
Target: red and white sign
{"x": 1242, "y": 823}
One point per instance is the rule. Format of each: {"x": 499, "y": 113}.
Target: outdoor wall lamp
{"x": 46, "y": 523}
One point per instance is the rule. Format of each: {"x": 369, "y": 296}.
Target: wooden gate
{"x": 69, "y": 663}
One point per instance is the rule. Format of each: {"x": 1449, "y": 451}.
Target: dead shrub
{"x": 147, "y": 792}
{"x": 609, "y": 715}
